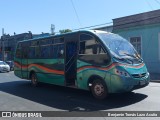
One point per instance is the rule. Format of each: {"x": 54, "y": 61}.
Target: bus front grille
{"x": 141, "y": 75}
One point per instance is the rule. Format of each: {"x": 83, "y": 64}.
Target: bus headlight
{"x": 148, "y": 74}
{"x": 121, "y": 73}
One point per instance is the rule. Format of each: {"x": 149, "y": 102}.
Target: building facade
{"x": 143, "y": 31}
{"x": 8, "y": 44}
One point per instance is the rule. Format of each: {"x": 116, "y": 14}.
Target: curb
{"x": 157, "y": 81}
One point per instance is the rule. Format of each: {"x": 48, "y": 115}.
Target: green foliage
{"x": 65, "y": 31}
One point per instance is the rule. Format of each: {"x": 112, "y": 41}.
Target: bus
{"x": 93, "y": 60}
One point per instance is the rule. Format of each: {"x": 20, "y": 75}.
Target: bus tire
{"x": 99, "y": 89}
{"x": 34, "y": 80}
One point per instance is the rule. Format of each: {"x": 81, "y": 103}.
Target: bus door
{"x": 71, "y": 59}
{"x": 24, "y": 60}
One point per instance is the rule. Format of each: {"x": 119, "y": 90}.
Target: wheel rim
{"x": 99, "y": 89}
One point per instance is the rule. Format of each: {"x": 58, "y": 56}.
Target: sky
{"x": 21, "y": 16}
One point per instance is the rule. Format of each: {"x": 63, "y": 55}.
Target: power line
{"x": 157, "y": 1}
{"x": 93, "y": 26}
{"x": 109, "y": 23}
{"x": 137, "y": 21}
{"x": 76, "y": 13}
{"x": 149, "y": 4}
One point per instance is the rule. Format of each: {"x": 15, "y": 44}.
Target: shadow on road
{"x": 67, "y": 98}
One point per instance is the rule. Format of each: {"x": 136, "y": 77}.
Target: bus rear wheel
{"x": 99, "y": 89}
{"x": 34, "y": 79}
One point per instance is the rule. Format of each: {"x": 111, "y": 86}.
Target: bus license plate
{"x": 143, "y": 82}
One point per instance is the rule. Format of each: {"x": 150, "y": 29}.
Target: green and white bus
{"x": 92, "y": 60}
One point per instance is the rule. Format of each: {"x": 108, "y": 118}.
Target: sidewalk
{"x": 155, "y": 77}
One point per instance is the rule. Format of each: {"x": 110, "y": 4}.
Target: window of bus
{"x": 90, "y": 49}
{"x": 58, "y": 48}
{"x": 37, "y": 52}
{"x": 46, "y": 42}
{"x": 58, "y": 51}
{"x": 25, "y": 46}
{"x": 18, "y": 51}
{"x": 45, "y": 51}
{"x": 45, "y": 48}
{"x": 58, "y": 40}
{"x": 88, "y": 45}
{"x": 31, "y": 52}
{"x": 34, "y": 50}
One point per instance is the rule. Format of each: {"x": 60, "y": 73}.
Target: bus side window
{"x": 58, "y": 51}
{"x": 18, "y": 51}
{"x": 37, "y": 51}
{"x": 61, "y": 51}
{"x": 25, "y": 46}
{"x": 90, "y": 47}
{"x": 92, "y": 51}
{"x": 86, "y": 44}
{"x": 31, "y": 52}
{"x": 45, "y": 51}
{"x": 82, "y": 47}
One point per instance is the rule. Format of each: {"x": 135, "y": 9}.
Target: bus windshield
{"x": 120, "y": 48}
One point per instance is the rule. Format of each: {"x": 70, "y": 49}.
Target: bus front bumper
{"x": 121, "y": 84}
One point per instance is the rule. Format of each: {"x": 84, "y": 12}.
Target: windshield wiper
{"x": 134, "y": 56}
{"x": 124, "y": 59}
{"x": 139, "y": 57}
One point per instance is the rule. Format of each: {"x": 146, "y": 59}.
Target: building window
{"x": 136, "y": 42}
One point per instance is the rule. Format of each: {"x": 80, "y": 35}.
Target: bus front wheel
{"x": 99, "y": 89}
{"x": 34, "y": 79}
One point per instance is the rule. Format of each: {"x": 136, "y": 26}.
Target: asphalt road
{"x": 18, "y": 95}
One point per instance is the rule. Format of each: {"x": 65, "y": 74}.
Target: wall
{"x": 150, "y": 44}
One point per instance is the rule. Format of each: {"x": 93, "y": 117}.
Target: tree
{"x": 65, "y": 31}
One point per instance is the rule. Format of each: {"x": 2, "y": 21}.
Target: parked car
{"x": 11, "y": 64}
{"x": 4, "y": 67}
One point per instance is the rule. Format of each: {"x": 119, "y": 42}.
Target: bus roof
{"x": 59, "y": 35}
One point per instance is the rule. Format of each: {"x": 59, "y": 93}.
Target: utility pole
{"x": 52, "y": 29}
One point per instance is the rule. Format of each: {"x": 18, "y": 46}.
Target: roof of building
{"x": 147, "y": 18}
